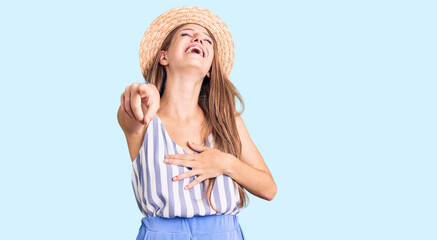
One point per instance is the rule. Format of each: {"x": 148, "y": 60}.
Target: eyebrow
{"x": 193, "y": 30}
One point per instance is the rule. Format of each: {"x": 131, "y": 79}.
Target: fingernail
{"x": 186, "y": 187}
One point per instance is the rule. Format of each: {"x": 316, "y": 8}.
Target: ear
{"x": 163, "y": 58}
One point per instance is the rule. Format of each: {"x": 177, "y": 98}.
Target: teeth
{"x": 195, "y": 47}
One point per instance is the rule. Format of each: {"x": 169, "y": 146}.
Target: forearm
{"x": 257, "y": 182}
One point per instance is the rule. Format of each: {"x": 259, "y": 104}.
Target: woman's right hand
{"x": 140, "y": 102}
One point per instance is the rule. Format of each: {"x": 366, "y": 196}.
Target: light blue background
{"x": 340, "y": 100}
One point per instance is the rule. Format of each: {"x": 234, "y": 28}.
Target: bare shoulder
{"x": 249, "y": 152}
{"x": 135, "y": 140}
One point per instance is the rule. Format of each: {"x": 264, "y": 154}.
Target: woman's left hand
{"x": 209, "y": 163}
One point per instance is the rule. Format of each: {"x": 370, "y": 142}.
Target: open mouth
{"x": 195, "y": 50}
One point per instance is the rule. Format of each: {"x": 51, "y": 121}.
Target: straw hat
{"x": 166, "y": 22}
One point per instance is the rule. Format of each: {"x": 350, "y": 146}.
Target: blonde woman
{"x": 191, "y": 153}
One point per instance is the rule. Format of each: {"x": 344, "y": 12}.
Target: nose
{"x": 197, "y": 38}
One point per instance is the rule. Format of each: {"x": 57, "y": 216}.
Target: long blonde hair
{"x": 217, "y": 100}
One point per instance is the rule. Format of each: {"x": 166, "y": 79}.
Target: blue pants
{"x": 211, "y": 227}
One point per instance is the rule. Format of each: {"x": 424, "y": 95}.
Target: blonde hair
{"x": 217, "y": 101}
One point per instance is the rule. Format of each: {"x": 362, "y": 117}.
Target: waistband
{"x": 193, "y": 225}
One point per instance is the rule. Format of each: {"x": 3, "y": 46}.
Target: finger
{"x": 179, "y": 162}
{"x": 184, "y": 175}
{"x": 146, "y": 104}
{"x": 122, "y": 105}
{"x": 143, "y": 90}
{"x": 152, "y": 108}
{"x": 197, "y": 147}
{"x": 181, "y": 156}
{"x": 194, "y": 182}
{"x": 143, "y": 95}
{"x": 151, "y": 100}
{"x": 136, "y": 105}
{"x": 127, "y": 103}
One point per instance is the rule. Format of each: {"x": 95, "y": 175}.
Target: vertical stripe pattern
{"x": 157, "y": 195}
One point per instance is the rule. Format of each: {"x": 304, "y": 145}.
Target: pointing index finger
{"x": 136, "y": 106}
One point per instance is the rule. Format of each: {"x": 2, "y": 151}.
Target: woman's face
{"x": 191, "y": 49}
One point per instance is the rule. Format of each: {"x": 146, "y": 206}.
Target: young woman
{"x": 191, "y": 153}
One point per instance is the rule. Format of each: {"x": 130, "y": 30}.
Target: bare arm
{"x": 139, "y": 104}
{"x": 251, "y": 171}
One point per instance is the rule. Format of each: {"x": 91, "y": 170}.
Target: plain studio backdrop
{"x": 340, "y": 100}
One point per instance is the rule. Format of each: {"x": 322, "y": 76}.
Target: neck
{"x": 180, "y": 98}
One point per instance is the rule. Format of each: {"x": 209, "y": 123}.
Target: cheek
{"x": 176, "y": 47}
{"x": 175, "y": 53}
{"x": 210, "y": 60}
{"x": 211, "y": 55}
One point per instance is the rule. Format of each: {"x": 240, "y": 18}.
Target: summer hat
{"x": 166, "y": 22}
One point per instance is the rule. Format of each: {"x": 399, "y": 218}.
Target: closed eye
{"x": 186, "y": 34}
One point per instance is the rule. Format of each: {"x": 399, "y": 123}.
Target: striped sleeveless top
{"x": 157, "y": 195}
